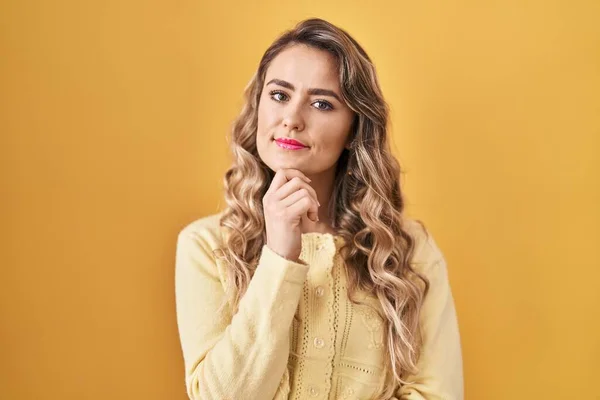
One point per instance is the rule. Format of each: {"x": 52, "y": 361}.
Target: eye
{"x": 323, "y": 105}
{"x": 278, "y": 96}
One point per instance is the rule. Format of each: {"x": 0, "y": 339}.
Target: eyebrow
{"x": 312, "y": 91}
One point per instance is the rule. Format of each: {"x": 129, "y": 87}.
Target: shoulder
{"x": 195, "y": 250}
{"x": 426, "y": 250}
{"x": 205, "y": 231}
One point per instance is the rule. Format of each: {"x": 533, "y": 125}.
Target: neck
{"x": 322, "y": 183}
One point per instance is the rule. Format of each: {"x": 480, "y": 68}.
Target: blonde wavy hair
{"x": 365, "y": 207}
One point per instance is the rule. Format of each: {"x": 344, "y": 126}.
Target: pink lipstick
{"x": 290, "y": 144}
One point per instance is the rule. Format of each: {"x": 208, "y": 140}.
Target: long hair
{"x": 365, "y": 207}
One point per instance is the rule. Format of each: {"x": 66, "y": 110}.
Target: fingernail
{"x": 310, "y": 180}
{"x": 317, "y": 218}
{"x": 318, "y": 203}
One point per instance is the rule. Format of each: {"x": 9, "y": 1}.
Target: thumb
{"x": 313, "y": 213}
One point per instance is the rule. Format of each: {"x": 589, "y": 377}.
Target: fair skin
{"x": 301, "y": 99}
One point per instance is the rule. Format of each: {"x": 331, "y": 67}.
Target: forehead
{"x": 306, "y": 66}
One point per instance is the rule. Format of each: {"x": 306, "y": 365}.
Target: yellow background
{"x": 113, "y": 121}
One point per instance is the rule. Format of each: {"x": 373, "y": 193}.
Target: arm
{"x": 244, "y": 356}
{"x": 440, "y": 374}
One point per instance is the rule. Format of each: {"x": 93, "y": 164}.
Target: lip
{"x": 290, "y": 144}
{"x": 293, "y": 142}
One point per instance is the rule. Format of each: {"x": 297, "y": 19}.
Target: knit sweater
{"x": 332, "y": 350}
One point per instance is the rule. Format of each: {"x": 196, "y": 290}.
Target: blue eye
{"x": 281, "y": 97}
{"x": 278, "y": 96}
{"x": 325, "y": 105}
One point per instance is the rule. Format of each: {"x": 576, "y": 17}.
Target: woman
{"x": 312, "y": 283}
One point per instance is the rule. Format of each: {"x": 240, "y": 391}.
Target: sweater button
{"x": 319, "y": 291}
{"x": 319, "y": 343}
{"x": 313, "y": 391}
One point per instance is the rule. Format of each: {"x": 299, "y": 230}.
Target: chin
{"x": 276, "y": 164}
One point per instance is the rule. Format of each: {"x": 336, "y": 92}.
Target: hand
{"x": 289, "y": 199}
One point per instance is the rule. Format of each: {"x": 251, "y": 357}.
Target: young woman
{"x": 312, "y": 284}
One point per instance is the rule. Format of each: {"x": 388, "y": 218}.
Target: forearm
{"x": 246, "y": 356}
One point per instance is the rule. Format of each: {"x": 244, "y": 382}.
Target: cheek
{"x": 267, "y": 116}
{"x": 264, "y": 127}
{"x": 261, "y": 118}
{"x": 335, "y": 131}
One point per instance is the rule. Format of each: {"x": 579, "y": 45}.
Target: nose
{"x": 292, "y": 118}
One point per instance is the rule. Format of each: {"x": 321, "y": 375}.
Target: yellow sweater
{"x": 335, "y": 351}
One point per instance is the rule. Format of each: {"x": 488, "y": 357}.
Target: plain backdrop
{"x": 113, "y": 122}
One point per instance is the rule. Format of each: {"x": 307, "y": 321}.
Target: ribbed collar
{"x": 317, "y": 243}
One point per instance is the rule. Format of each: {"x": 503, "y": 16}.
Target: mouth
{"x": 290, "y": 144}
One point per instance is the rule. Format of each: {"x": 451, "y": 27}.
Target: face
{"x": 301, "y": 100}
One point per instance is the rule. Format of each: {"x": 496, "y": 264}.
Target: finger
{"x": 294, "y": 197}
{"x": 292, "y": 173}
{"x": 305, "y": 205}
{"x": 278, "y": 180}
{"x": 294, "y": 185}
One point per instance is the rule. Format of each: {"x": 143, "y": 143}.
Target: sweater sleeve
{"x": 440, "y": 375}
{"x": 244, "y": 356}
